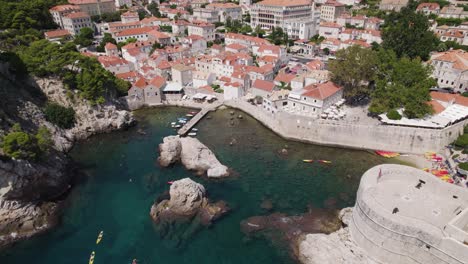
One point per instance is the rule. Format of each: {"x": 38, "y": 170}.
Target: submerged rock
{"x": 187, "y": 200}
{"x": 193, "y": 155}
{"x": 335, "y": 248}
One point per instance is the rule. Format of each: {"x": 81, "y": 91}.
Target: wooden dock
{"x": 194, "y": 120}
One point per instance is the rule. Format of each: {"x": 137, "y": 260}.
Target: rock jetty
{"x": 187, "y": 200}
{"x": 193, "y": 154}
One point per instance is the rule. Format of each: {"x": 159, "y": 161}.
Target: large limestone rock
{"x": 193, "y": 155}
{"x": 187, "y": 199}
{"x": 170, "y": 150}
{"x": 335, "y": 248}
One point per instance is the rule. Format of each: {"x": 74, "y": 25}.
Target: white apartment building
{"x": 205, "y": 15}
{"x": 182, "y": 74}
{"x": 129, "y": 17}
{"x": 205, "y": 30}
{"x": 95, "y": 7}
{"x": 331, "y": 10}
{"x": 226, "y": 10}
{"x": 451, "y": 69}
{"x": 313, "y": 99}
{"x": 294, "y": 17}
{"x": 58, "y": 12}
{"x": 74, "y": 22}
{"x": 215, "y": 64}
{"x": 137, "y": 33}
{"x": 121, "y": 3}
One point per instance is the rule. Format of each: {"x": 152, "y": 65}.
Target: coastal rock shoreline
{"x": 29, "y": 191}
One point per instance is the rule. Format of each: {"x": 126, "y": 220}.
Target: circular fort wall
{"x": 391, "y": 237}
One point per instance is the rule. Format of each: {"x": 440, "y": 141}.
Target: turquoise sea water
{"x": 123, "y": 180}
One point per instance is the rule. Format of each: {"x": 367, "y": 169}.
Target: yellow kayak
{"x": 91, "y": 258}
{"x": 99, "y": 238}
{"x": 308, "y": 161}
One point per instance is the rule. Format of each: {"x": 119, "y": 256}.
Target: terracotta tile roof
{"x": 158, "y": 81}
{"x": 164, "y": 65}
{"x": 61, "y": 8}
{"x": 263, "y": 85}
{"x": 158, "y": 35}
{"x": 284, "y": 77}
{"x": 321, "y": 91}
{"x": 77, "y": 15}
{"x": 430, "y": 6}
{"x": 315, "y": 65}
{"x": 284, "y": 2}
{"x": 224, "y": 79}
{"x": 222, "y": 5}
{"x": 110, "y": 46}
{"x": 134, "y": 31}
{"x": 454, "y": 34}
{"x": 448, "y": 98}
{"x": 82, "y": 2}
{"x": 273, "y": 48}
{"x": 256, "y": 40}
{"x": 141, "y": 83}
{"x": 459, "y": 58}
{"x": 330, "y": 24}
{"x": 207, "y": 89}
{"x": 333, "y": 3}
{"x": 128, "y": 75}
{"x": 108, "y": 61}
{"x": 438, "y": 108}
{"x": 129, "y": 14}
{"x": 57, "y": 33}
{"x": 236, "y": 46}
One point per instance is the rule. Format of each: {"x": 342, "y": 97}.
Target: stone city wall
{"x": 352, "y": 135}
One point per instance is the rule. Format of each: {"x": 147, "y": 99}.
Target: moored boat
{"x": 324, "y": 161}
{"x": 182, "y": 121}
{"x": 387, "y": 154}
{"x": 189, "y": 115}
{"x": 99, "y": 238}
{"x": 308, "y": 161}
{"x": 192, "y": 134}
{"x": 91, "y": 258}
{"x": 194, "y": 130}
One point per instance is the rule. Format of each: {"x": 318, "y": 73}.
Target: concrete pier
{"x": 192, "y": 122}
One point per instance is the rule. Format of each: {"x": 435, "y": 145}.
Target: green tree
{"x": 354, "y": 68}
{"x": 44, "y": 139}
{"x": 401, "y": 83}
{"x": 85, "y": 37}
{"x": 407, "y": 34}
{"x": 154, "y": 9}
{"x": 63, "y": 117}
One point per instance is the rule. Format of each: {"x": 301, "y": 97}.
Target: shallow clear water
{"x": 123, "y": 180}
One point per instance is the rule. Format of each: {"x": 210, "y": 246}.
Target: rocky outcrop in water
{"x": 187, "y": 199}
{"x": 193, "y": 155}
{"x": 335, "y": 248}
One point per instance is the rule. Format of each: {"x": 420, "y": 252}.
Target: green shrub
{"x": 463, "y": 166}
{"x": 393, "y": 115}
{"x": 20, "y": 145}
{"x": 465, "y": 130}
{"x": 61, "y": 116}
{"x": 462, "y": 141}
{"x": 44, "y": 139}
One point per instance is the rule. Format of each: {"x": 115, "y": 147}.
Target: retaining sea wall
{"x": 352, "y": 135}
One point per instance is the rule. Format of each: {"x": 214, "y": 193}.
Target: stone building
{"x": 95, "y": 7}
{"x": 451, "y": 69}
{"x": 74, "y": 22}
{"x": 331, "y": 10}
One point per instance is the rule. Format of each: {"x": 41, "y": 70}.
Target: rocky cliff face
{"x": 29, "y": 190}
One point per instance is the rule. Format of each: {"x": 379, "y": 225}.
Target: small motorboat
{"x": 91, "y": 258}
{"x": 194, "y": 130}
{"x": 173, "y": 123}
{"x": 192, "y": 134}
{"x": 324, "y": 161}
{"x": 182, "y": 121}
{"x": 182, "y": 118}
{"x": 193, "y": 113}
{"x": 170, "y": 182}
{"x": 99, "y": 238}
{"x": 308, "y": 161}
{"x": 177, "y": 126}
{"x": 189, "y": 115}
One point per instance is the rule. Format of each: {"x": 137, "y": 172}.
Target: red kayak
{"x": 170, "y": 182}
